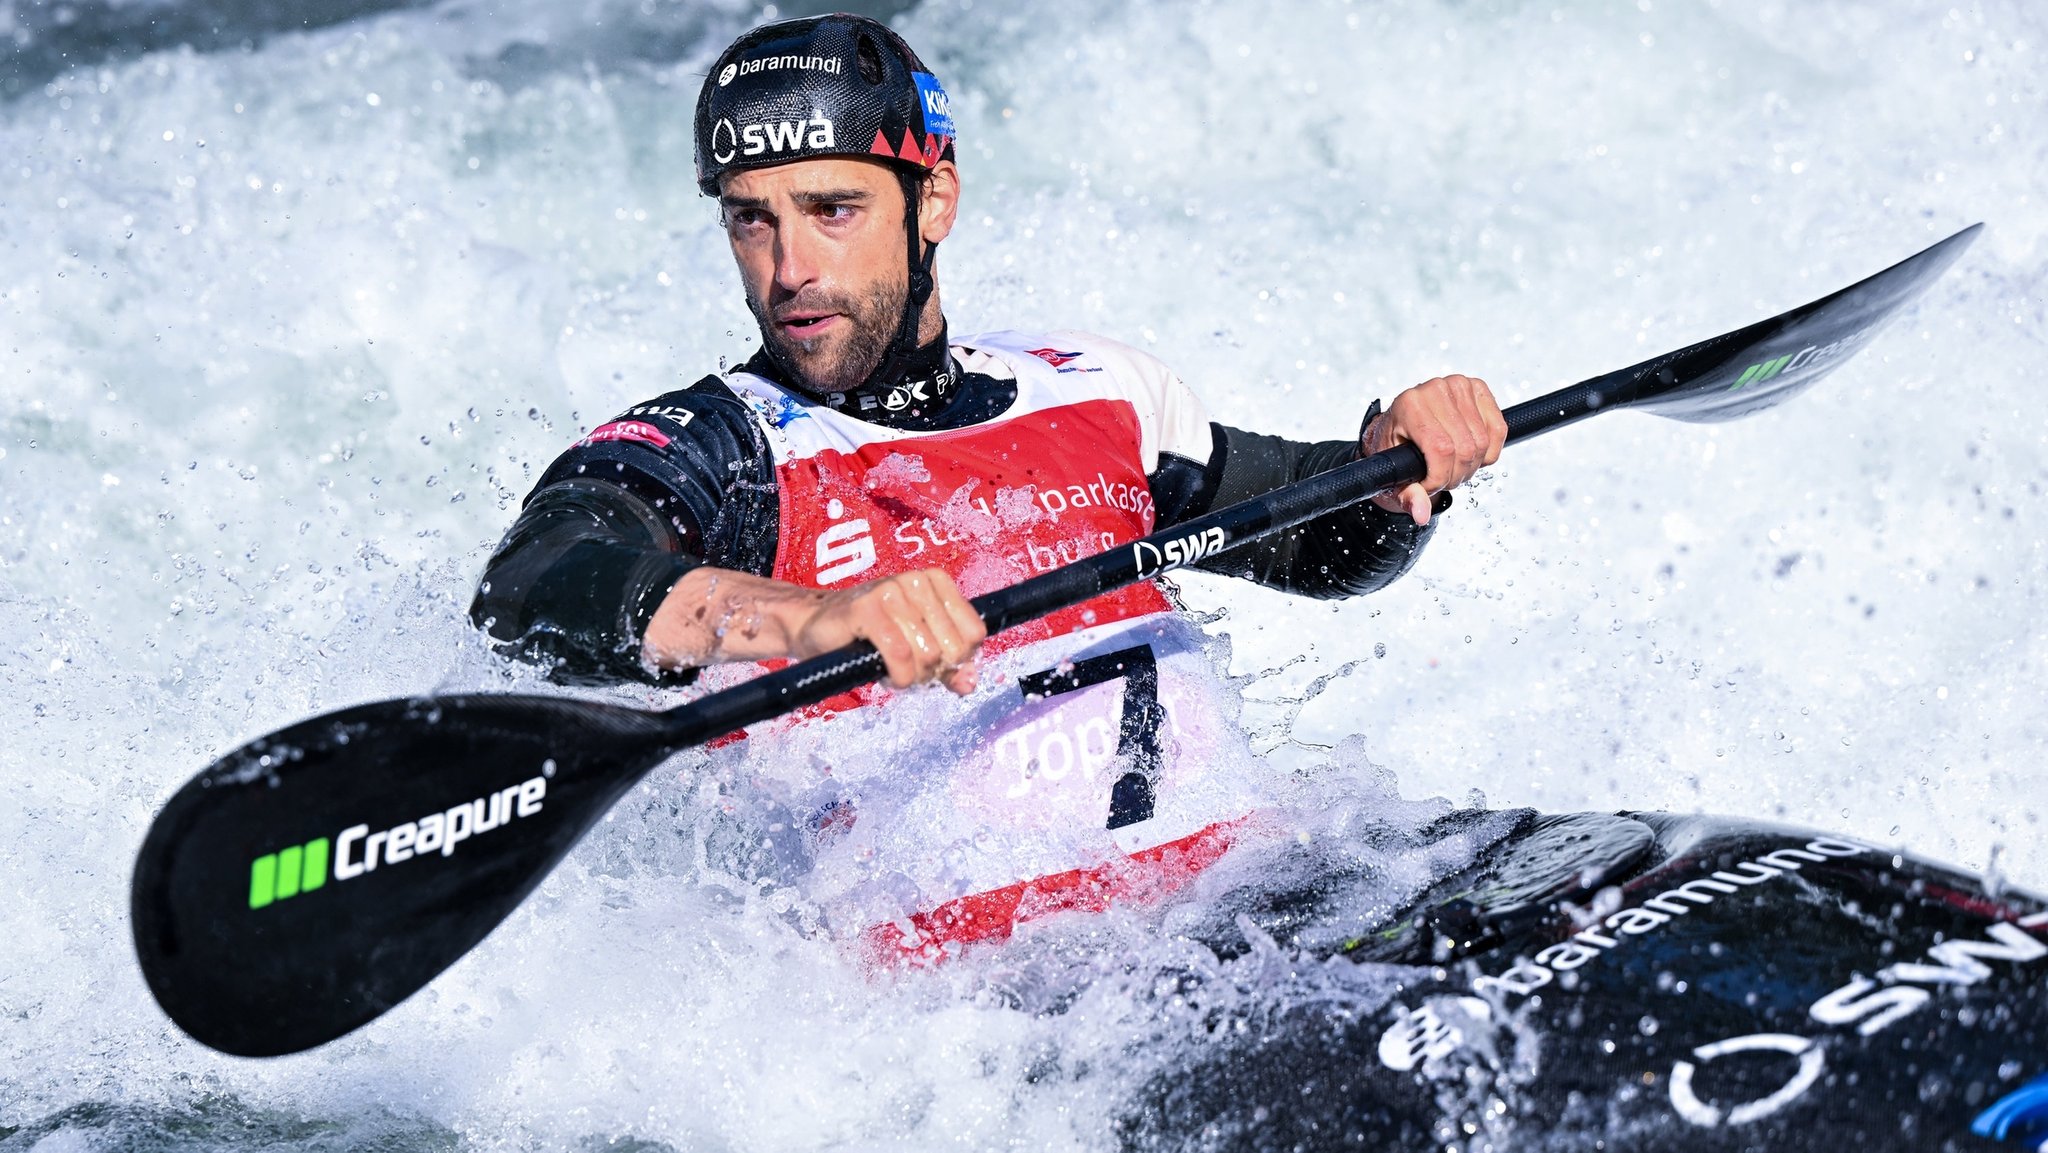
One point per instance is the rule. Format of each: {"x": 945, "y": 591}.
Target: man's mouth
{"x": 805, "y": 325}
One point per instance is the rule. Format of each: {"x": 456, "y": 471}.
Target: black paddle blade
{"x": 1779, "y": 358}
{"x": 312, "y": 879}
{"x": 1753, "y": 368}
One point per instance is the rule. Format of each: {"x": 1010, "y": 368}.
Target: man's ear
{"x": 941, "y": 204}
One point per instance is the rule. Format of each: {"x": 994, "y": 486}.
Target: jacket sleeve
{"x": 1350, "y": 552}
{"x": 683, "y": 481}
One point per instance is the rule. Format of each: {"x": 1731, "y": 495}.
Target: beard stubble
{"x": 829, "y": 365}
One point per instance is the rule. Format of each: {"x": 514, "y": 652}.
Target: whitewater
{"x": 292, "y": 317}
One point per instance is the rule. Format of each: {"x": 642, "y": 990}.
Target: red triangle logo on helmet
{"x": 881, "y": 146}
{"x": 934, "y": 147}
{"x": 910, "y": 151}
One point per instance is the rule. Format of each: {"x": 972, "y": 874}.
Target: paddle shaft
{"x": 857, "y": 664}
{"x": 1204, "y": 536}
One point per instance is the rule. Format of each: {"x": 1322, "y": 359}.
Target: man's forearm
{"x": 576, "y": 580}
{"x": 918, "y": 621}
{"x": 715, "y": 615}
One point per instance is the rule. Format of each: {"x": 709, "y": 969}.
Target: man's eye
{"x": 836, "y": 211}
{"x": 746, "y": 218}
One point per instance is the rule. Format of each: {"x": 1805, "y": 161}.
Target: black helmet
{"x": 838, "y": 85}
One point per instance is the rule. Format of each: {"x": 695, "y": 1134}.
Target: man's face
{"x": 821, "y": 250}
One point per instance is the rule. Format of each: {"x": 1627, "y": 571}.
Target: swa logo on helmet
{"x": 728, "y": 141}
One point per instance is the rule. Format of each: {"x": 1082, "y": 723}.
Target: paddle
{"x": 310, "y": 880}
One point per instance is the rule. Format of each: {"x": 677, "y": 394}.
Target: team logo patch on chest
{"x": 1062, "y": 361}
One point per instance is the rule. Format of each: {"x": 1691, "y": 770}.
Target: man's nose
{"x": 796, "y": 257}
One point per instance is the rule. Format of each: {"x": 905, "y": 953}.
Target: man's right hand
{"x": 919, "y": 622}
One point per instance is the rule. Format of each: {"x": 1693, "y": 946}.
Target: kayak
{"x": 1645, "y": 981}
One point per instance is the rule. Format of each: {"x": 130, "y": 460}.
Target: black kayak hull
{"x": 1655, "y": 982}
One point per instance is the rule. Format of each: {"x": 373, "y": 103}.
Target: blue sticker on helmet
{"x": 2021, "y": 1115}
{"x": 938, "y": 111}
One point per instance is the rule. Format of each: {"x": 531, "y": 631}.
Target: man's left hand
{"x": 1456, "y": 423}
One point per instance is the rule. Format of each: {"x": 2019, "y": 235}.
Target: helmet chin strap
{"x": 895, "y": 363}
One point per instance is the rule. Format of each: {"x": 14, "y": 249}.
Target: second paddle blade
{"x": 308, "y": 881}
{"x": 1773, "y": 360}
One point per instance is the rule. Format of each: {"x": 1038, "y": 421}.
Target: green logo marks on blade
{"x": 287, "y": 873}
{"x": 1758, "y": 373}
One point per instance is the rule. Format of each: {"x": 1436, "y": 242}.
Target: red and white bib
{"x": 969, "y": 816}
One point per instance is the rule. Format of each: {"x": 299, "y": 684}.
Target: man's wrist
{"x": 714, "y": 615}
{"x": 1367, "y": 428}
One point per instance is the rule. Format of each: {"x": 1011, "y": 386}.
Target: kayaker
{"x": 864, "y": 473}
